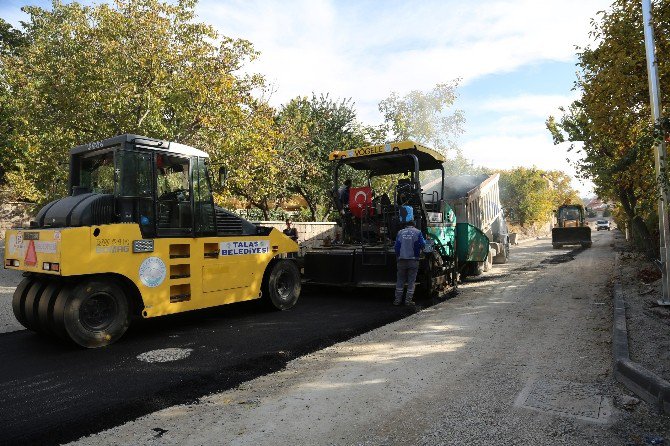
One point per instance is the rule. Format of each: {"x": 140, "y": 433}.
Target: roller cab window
{"x": 204, "y": 204}
{"x": 96, "y": 173}
{"x": 135, "y": 202}
{"x": 173, "y": 195}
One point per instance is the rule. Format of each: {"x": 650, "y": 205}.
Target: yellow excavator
{"x": 572, "y": 228}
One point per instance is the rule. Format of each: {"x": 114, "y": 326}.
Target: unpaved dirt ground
{"x": 521, "y": 357}
{"x": 648, "y": 323}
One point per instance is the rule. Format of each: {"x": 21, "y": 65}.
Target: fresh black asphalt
{"x": 51, "y": 392}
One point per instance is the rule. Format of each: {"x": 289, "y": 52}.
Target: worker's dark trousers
{"x": 407, "y": 269}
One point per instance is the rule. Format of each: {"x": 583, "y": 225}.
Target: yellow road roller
{"x": 139, "y": 235}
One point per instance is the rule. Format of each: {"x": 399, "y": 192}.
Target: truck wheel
{"x": 281, "y": 286}
{"x": 473, "y": 269}
{"x": 503, "y": 256}
{"x": 488, "y": 263}
{"x": 94, "y": 314}
{"x": 586, "y": 245}
{"x": 557, "y": 246}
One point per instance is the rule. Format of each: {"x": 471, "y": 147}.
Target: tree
{"x": 610, "y": 124}
{"x": 11, "y": 41}
{"x": 430, "y": 118}
{"x": 135, "y": 66}
{"x": 427, "y": 117}
{"x": 561, "y": 188}
{"x": 311, "y": 129}
{"x": 256, "y": 174}
{"x": 529, "y": 195}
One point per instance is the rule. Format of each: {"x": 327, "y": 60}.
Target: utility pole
{"x": 659, "y": 150}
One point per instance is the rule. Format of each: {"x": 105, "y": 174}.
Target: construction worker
{"x": 290, "y": 231}
{"x": 408, "y": 245}
{"x": 343, "y": 194}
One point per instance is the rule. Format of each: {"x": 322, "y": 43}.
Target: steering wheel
{"x": 405, "y": 187}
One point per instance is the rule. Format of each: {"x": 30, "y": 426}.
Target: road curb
{"x": 645, "y": 384}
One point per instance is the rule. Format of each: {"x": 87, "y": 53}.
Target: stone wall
{"x": 14, "y": 213}
{"x": 309, "y": 233}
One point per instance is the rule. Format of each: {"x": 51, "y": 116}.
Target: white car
{"x": 603, "y": 224}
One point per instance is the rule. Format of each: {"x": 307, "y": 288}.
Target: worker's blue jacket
{"x": 409, "y": 243}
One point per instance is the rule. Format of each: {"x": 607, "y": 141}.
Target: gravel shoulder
{"x": 648, "y": 323}
{"x": 521, "y": 356}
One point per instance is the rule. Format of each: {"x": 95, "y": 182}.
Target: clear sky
{"x": 515, "y": 58}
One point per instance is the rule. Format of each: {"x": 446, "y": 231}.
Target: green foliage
{"x": 610, "y": 124}
{"x": 258, "y": 214}
{"x": 426, "y": 117}
{"x": 561, "y": 188}
{"x": 310, "y": 129}
{"x": 11, "y": 41}
{"x": 135, "y": 66}
{"x": 254, "y": 162}
{"x": 529, "y": 195}
{"x": 431, "y": 119}
{"x": 79, "y": 73}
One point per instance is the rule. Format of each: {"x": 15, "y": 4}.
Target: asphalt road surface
{"x": 457, "y": 368}
{"x": 522, "y": 356}
{"x": 52, "y": 392}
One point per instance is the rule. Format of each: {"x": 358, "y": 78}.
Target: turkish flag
{"x": 360, "y": 198}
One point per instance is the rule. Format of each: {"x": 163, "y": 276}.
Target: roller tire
{"x": 31, "y": 303}
{"x": 45, "y": 307}
{"x": 58, "y": 314}
{"x": 281, "y": 285}
{"x": 93, "y": 314}
{"x": 19, "y": 299}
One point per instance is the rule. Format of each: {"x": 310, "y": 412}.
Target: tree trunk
{"x": 310, "y": 204}
{"x": 327, "y": 212}
{"x": 265, "y": 209}
{"x": 261, "y": 205}
{"x": 638, "y": 226}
